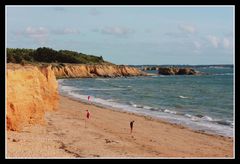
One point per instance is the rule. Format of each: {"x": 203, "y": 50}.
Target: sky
{"x": 128, "y": 35}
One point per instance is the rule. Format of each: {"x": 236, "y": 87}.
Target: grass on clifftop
{"x": 48, "y": 55}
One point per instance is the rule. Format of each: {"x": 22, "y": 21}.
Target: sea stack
{"x": 176, "y": 71}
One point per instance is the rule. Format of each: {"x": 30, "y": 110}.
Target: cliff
{"x": 84, "y": 71}
{"x": 31, "y": 91}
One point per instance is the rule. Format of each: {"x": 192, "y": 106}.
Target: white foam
{"x": 137, "y": 106}
{"x": 222, "y": 74}
{"x": 169, "y": 111}
{"x": 101, "y": 89}
{"x": 68, "y": 88}
{"x": 147, "y": 107}
{"x": 183, "y": 97}
{"x": 207, "y": 118}
{"x": 188, "y": 115}
{"x": 194, "y": 118}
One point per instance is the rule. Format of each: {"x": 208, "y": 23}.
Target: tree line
{"x": 49, "y": 55}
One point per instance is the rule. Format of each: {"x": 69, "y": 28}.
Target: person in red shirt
{"x": 88, "y": 114}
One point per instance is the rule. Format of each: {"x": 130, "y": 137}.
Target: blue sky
{"x": 127, "y": 35}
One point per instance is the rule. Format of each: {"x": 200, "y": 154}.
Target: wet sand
{"x": 107, "y": 135}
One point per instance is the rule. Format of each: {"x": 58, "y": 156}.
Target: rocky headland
{"x": 173, "y": 70}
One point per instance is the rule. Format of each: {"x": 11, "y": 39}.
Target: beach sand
{"x": 107, "y": 134}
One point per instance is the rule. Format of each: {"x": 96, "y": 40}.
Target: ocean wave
{"x": 223, "y": 74}
{"x": 183, "y": 97}
{"x": 155, "y": 109}
{"x": 215, "y": 67}
{"x": 102, "y": 79}
{"x": 219, "y": 67}
{"x": 208, "y": 118}
{"x": 68, "y": 88}
{"x": 137, "y": 106}
{"x": 101, "y": 89}
{"x": 147, "y": 107}
{"x": 224, "y": 122}
{"x": 188, "y": 115}
{"x": 169, "y": 111}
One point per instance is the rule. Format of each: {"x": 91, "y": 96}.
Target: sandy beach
{"x": 107, "y": 135}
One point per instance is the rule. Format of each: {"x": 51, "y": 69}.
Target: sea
{"x": 202, "y": 103}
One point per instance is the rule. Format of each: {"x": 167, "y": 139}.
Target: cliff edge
{"x": 89, "y": 71}
{"x": 31, "y": 91}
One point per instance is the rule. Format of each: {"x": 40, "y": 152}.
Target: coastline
{"x": 64, "y": 136}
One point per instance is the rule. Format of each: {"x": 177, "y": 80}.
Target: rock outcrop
{"x": 172, "y": 70}
{"x": 176, "y": 71}
{"x": 31, "y": 91}
{"x": 89, "y": 71}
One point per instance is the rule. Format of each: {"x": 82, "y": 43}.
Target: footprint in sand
{"x": 95, "y": 155}
{"x": 15, "y": 140}
{"x": 110, "y": 141}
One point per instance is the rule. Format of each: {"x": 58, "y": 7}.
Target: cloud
{"x": 66, "y": 31}
{"x": 42, "y": 34}
{"x": 197, "y": 45}
{"x": 39, "y": 34}
{"x": 185, "y": 31}
{"x": 226, "y": 43}
{"x": 187, "y": 28}
{"x": 117, "y": 30}
{"x": 214, "y": 40}
{"x": 218, "y": 42}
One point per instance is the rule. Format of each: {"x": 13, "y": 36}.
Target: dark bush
{"x": 48, "y": 55}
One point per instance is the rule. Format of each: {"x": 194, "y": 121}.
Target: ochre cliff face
{"x": 96, "y": 71}
{"x": 31, "y": 91}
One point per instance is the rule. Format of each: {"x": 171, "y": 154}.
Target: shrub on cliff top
{"x": 48, "y": 55}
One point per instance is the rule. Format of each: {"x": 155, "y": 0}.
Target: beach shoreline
{"x": 107, "y": 135}
{"x": 146, "y": 116}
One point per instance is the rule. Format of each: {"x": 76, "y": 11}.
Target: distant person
{"x": 87, "y": 117}
{"x": 88, "y": 114}
{"x": 131, "y": 126}
{"x": 88, "y": 98}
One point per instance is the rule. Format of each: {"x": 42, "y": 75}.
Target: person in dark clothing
{"x": 87, "y": 117}
{"x": 131, "y": 125}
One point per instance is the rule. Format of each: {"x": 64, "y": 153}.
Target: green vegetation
{"x": 48, "y": 55}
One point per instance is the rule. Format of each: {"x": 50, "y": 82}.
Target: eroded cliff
{"x": 31, "y": 91}
{"x": 83, "y": 71}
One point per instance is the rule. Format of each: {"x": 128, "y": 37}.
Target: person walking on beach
{"x": 131, "y": 126}
{"x": 88, "y": 114}
{"x": 87, "y": 117}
